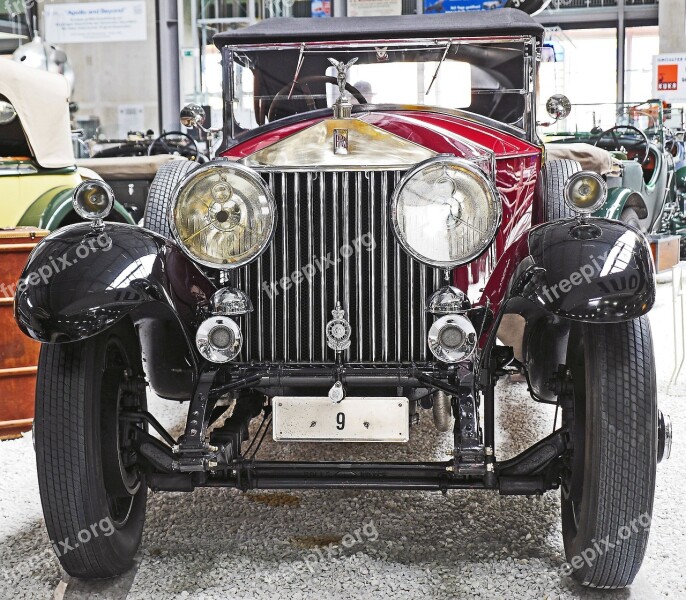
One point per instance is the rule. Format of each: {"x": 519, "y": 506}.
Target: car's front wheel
{"x": 93, "y": 494}
{"x": 607, "y": 496}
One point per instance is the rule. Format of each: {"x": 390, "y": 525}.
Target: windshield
{"x": 275, "y": 82}
{"x": 587, "y": 121}
{"x": 590, "y": 117}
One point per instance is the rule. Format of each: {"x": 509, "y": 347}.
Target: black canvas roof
{"x": 503, "y": 21}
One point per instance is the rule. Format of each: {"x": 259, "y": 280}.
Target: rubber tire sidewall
{"x": 550, "y": 203}
{"x": 155, "y": 216}
{"x": 74, "y": 498}
{"x": 630, "y": 432}
{"x": 630, "y": 217}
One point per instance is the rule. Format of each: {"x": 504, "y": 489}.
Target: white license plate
{"x": 354, "y": 419}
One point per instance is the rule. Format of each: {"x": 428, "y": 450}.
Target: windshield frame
{"x": 529, "y": 55}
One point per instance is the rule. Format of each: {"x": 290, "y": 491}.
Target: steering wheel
{"x": 174, "y": 142}
{"x": 645, "y": 142}
{"x": 284, "y": 92}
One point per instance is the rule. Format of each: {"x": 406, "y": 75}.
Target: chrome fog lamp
{"x": 448, "y": 300}
{"x": 93, "y": 200}
{"x": 445, "y": 212}
{"x": 7, "y": 113}
{"x": 585, "y": 192}
{"x": 452, "y": 338}
{"x": 219, "y": 339}
{"x": 230, "y": 301}
{"x": 223, "y": 215}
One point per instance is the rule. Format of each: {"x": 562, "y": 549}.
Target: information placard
{"x": 88, "y": 22}
{"x": 374, "y": 8}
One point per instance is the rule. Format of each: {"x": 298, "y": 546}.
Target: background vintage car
{"x": 38, "y": 171}
{"x": 638, "y": 167}
{"x": 37, "y": 166}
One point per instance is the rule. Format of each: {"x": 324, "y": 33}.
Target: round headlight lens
{"x": 445, "y": 212}
{"x": 223, "y": 215}
{"x": 585, "y": 192}
{"x": 93, "y": 199}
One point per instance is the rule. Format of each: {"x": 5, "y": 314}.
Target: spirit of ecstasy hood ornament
{"x": 342, "y": 108}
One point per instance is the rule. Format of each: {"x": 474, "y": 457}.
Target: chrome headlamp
{"x": 7, "y": 113}
{"x": 445, "y": 212}
{"x": 93, "y": 200}
{"x": 585, "y": 192}
{"x": 223, "y": 215}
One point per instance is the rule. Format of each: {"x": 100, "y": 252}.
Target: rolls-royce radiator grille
{"x": 333, "y": 243}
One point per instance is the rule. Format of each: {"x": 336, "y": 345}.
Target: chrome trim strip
{"x": 358, "y": 263}
{"x": 372, "y": 262}
{"x": 336, "y": 243}
{"x": 327, "y": 169}
{"x": 284, "y": 263}
{"x": 384, "y": 265}
{"x": 396, "y": 295}
{"x": 411, "y": 276}
{"x": 248, "y": 317}
{"x": 298, "y": 310}
{"x": 272, "y": 278}
{"x": 260, "y": 321}
{"x": 344, "y": 242}
{"x": 322, "y": 253}
{"x": 310, "y": 262}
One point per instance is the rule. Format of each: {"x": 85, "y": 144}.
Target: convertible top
{"x": 503, "y": 21}
{"x": 41, "y": 100}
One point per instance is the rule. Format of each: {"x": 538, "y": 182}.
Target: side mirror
{"x": 192, "y": 115}
{"x": 558, "y": 106}
{"x": 7, "y": 113}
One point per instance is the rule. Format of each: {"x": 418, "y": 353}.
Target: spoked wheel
{"x": 92, "y": 492}
{"x": 607, "y": 495}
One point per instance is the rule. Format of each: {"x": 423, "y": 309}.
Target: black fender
{"x": 79, "y": 281}
{"x": 599, "y": 271}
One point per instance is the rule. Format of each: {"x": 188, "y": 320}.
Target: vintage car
{"x": 674, "y": 218}
{"x": 38, "y": 170}
{"x": 377, "y": 219}
{"x": 642, "y": 181}
{"x": 37, "y": 166}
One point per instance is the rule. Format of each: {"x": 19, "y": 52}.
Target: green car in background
{"x": 632, "y": 155}
{"x": 37, "y": 166}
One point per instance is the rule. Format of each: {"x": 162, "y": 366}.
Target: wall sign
{"x": 374, "y": 8}
{"x": 532, "y": 7}
{"x": 669, "y": 77}
{"x": 321, "y": 8}
{"x": 88, "y": 22}
{"x": 131, "y": 117}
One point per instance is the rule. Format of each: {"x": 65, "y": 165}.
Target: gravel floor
{"x": 224, "y": 544}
